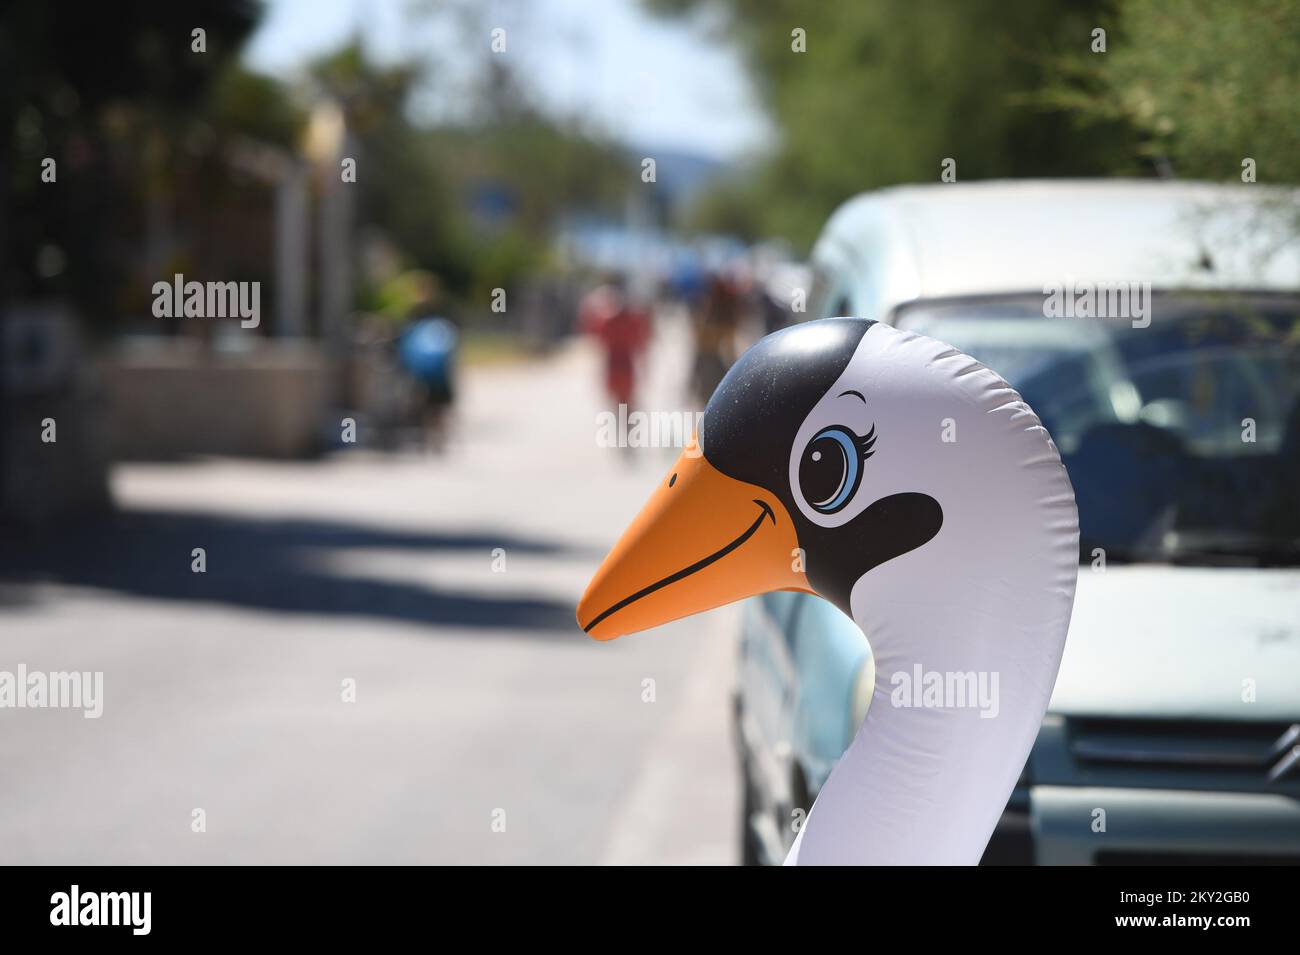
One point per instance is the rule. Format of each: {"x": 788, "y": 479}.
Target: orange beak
{"x": 701, "y": 541}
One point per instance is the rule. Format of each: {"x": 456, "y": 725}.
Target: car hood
{"x": 1183, "y": 642}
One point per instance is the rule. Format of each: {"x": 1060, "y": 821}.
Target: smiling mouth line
{"x": 765, "y": 511}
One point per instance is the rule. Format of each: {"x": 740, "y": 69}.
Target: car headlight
{"x": 864, "y": 685}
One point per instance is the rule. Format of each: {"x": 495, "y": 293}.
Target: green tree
{"x": 1207, "y": 83}
{"x": 405, "y": 189}
{"x": 887, "y": 90}
{"x": 474, "y": 201}
{"x": 107, "y": 91}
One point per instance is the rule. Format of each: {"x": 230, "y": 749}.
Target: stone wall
{"x": 170, "y": 400}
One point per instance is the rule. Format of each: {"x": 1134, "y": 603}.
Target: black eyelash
{"x": 866, "y": 442}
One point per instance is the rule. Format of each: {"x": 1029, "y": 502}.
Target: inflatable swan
{"x": 913, "y": 488}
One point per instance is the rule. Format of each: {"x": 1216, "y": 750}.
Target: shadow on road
{"x": 269, "y": 565}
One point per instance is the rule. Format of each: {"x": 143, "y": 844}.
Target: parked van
{"x": 1155, "y": 329}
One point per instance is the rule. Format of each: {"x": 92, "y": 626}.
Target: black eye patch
{"x": 890, "y": 527}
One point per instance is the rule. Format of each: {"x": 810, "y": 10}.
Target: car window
{"x": 1181, "y": 437}
{"x": 840, "y": 306}
{"x": 819, "y": 298}
{"x": 831, "y": 296}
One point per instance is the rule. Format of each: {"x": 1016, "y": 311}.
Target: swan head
{"x": 795, "y": 483}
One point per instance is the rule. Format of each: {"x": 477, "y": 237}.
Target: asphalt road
{"x": 478, "y": 700}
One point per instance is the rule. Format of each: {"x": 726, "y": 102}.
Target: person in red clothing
{"x": 623, "y": 330}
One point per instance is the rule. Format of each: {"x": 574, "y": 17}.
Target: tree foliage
{"x": 1207, "y": 83}
{"x": 108, "y": 91}
{"x": 887, "y": 90}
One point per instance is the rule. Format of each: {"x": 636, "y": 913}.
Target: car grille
{"x": 1238, "y": 756}
{"x": 1119, "y": 857}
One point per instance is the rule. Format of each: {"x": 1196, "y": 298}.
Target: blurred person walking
{"x": 716, "y": 324}
{"x": 622, "y": 328}
{"x": 426, "y": 352}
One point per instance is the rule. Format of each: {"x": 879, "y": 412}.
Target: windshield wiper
{"x": 1207, "y": 550}
{"x": 1232, "y": 547}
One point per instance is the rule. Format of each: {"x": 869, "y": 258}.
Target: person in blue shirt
{"x": 427, "y": 352}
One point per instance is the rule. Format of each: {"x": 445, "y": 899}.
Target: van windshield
{"x": 1182, "y": 438}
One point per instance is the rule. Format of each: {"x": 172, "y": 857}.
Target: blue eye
{"x": 831, "y": 467}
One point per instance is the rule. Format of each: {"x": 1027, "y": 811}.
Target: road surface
{"x": 486, "y": 727}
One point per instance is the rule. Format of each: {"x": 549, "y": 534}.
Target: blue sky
{"x": 644, "y": 80}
